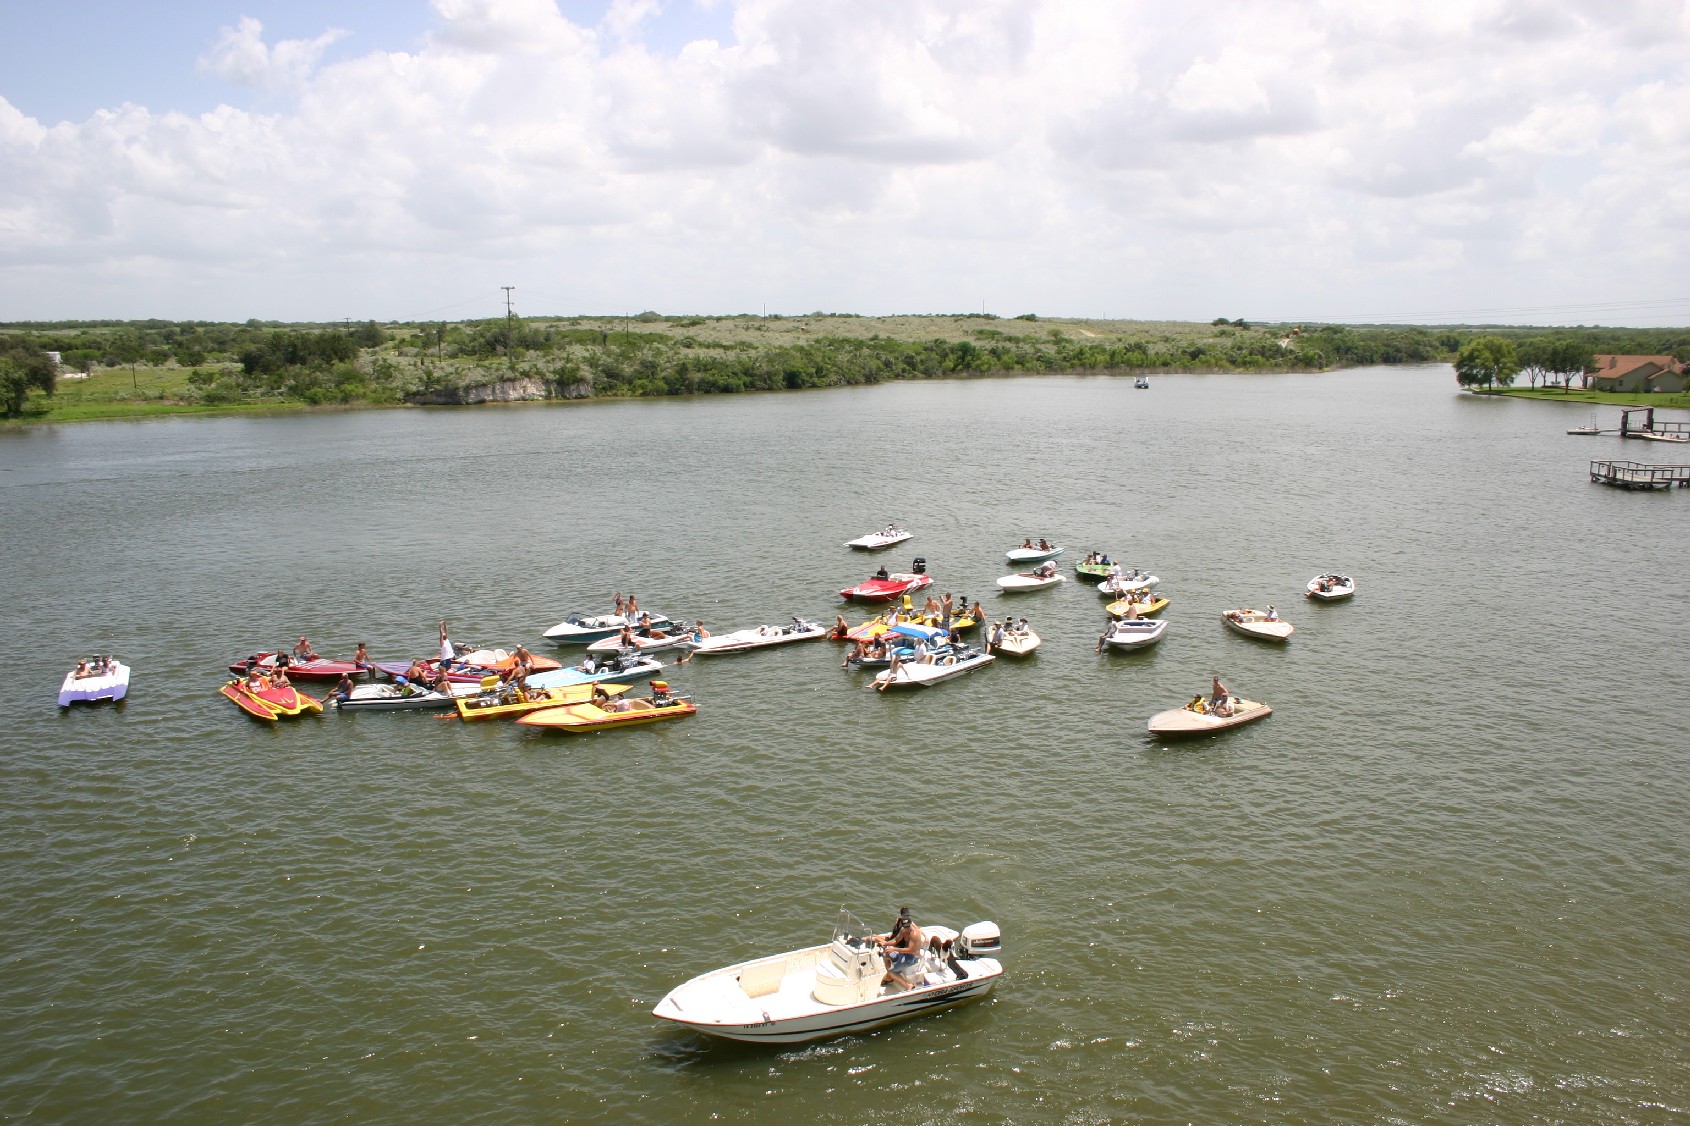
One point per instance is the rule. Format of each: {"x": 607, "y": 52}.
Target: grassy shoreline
{"x": 1679, "y": 401}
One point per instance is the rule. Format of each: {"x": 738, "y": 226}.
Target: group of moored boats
{"x": 857, "y": 980}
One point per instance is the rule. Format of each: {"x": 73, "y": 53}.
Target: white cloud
{"x": 1107, "y": 157}
{"x": 241, "y": 56}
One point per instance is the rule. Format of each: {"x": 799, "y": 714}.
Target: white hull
{"x": 828, "y": 990}
{"x": 113, "y": 686}
{"x": 1127, "y": 584}
{"x": 582, "y": 629}
{"x": 1252, "y": 623}
{"x": 641, "y": 644}
{"x": 745, "y": 640}
{"x": 1019, "y": 643}
{"x": 921, "y": 674}
{"x": 1654, "y": 437}
{"x": 387, "y": 698}
{"x": 563, "y": 678}
{"x": 879, "y": 541}
{"x": 1134, "y": 633}
{"x": 1031, "y": 554}
{"x": 1019, "y": 583}
{"x": 1341, "y": 589}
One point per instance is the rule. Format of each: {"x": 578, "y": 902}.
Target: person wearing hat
{"x": 902, "y": 945}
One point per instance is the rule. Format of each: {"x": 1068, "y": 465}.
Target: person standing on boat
{"x": 446, "y": 650}
{"x": 946, "y": 611}
{"x": 996, "y": 640}
{"x": 1220, "y": 698}
{"x": 361, "y": 659}
{"x": 616, "y": 603}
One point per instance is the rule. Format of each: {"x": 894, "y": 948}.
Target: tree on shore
{"x": 1545, "y": 357}
{"x": 22, "y": 370}
{"x": 1486, "y": 360}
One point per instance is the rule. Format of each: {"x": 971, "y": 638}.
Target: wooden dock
{"x": 1639, "y": 475}
{"x": 1659, "y": 431}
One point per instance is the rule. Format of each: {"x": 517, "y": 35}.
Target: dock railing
{"x": 1639, "y": 474}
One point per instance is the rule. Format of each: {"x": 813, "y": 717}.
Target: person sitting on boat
{"x": 342, "y": 691}
{"x": 893, "y": 664}
{"x": 1272, "y": 614}
{"x": 522, "y": 663}
{"x": 1044, "y": 544}
{"x": 441, "y": 682}
{"x": 601, "y": 695}
{"x": 255, "y": 680}
{"x": 589, "y": 666}
{"x": 1022, "y": 627}
{"x": 625, "y": 638}
{"x": 1220, "y": 700}
{"x": 1045, "y": 570}
{"x": 902, "y": 945}
{"x": 841, "y": 628}
{"x": 361, "y": 658}
{"x": 882, "y": 574}
{"x": 1027, "y": 544}
{"x": 83, "y": 672}
{"x": 417, "y": 671}
{"x": 996, "y": 639}
{"x": 1197, "y": 705}
{"x": 955, "y": 638}
{"x": 303, "y": 651}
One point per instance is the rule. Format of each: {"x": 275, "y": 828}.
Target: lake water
{"x": 1446, "y": 881}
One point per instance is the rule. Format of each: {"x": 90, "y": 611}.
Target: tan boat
{"x": 500, "y": 701}
{"x": 1018, "y": 642}
{"x": 621, "y": 713}
{"x": 1256, "y": 624}
{"x": 1185, "y": 721}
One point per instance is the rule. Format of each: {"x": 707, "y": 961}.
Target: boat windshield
{"x": 852, "y": 930}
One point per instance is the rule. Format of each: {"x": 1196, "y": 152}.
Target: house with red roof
{"x": 1636, "y": 373}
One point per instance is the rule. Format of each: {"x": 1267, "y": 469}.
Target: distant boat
{"x": 880, "y": 541}
{"x": 1142, "y": 383}
{"x": 1588, "y": 428}
{"x": 102, "y": 678}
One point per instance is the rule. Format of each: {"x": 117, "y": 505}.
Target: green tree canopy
{"x": 24, "y": 369}
{"x": 1486, "y": 360}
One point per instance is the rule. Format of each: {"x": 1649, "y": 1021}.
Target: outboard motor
{"x": 979, "y": 940}
{"x": 920, "y": 565}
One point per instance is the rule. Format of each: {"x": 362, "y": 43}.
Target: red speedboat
{"x": 319, "y": 668}
{"x": 886, "y": 587}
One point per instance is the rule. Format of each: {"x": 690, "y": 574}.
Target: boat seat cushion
{"x": 762, "y": 979}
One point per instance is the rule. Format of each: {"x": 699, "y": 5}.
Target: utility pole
{"x": 510, "y": 326}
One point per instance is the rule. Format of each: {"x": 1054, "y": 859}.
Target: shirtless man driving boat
{"x": 902, "y": 945}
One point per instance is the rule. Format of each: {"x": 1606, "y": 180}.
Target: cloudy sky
{"x": 1520, "y": 161}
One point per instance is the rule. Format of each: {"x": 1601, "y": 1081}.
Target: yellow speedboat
{"x": 1153, "y": 605}
{"x": 501, "y": 701}
{"x": 620, "y": 713}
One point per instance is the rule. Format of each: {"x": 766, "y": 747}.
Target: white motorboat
{"x": 881, "y": 540}
{"x": 654, "y": 641}
{"x": 621, "y": 668}
{"x": 1030, "y": 580}
{"x": 386, "y": 697}
{"x": 1127, "y": 582}
{"x": 1662, "y": 436}
{"x": 835, "y": 988}
{"x": 1331, "y": 587}
{"x": 1588, "y": 428}
{"x": 932, "y": 669}
{"x": 908, "y": 641}
{"x": 1133, "y": 633}
{"x": 1189, "y": 721}
{"x": 761, "y": 637}
{"x": 1264, "y": 626}
{"x": 582, "y": 629}
{"x": 95, "y": 679}
{"x": 1017, "y": 642}
{"x": 1038, "y": 554}
{"x": 1142, "y": 383}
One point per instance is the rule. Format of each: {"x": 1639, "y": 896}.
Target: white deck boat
{"x": 744, "y": 640}
{"x": 385, "y": 697}
{"x": 1257, "y": 624}
{"x": 1331, "y": 587}
{"x": 1128, "y": 582}
{"x": 655, "y": 642}
{"x": 622, "y": 668}
{"x": 1133, "y": 633}
{"x": 935, "y": 667}
{"x": 1021, "y": 555}
{"x": 111, "y": 682}
{"x": 582, "y": 629}
{"x": 1029, "y": 580}
{"x": 881, "y": 540}
{"x": 1018, "y": 642}
{"x": 835, "y": 988}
